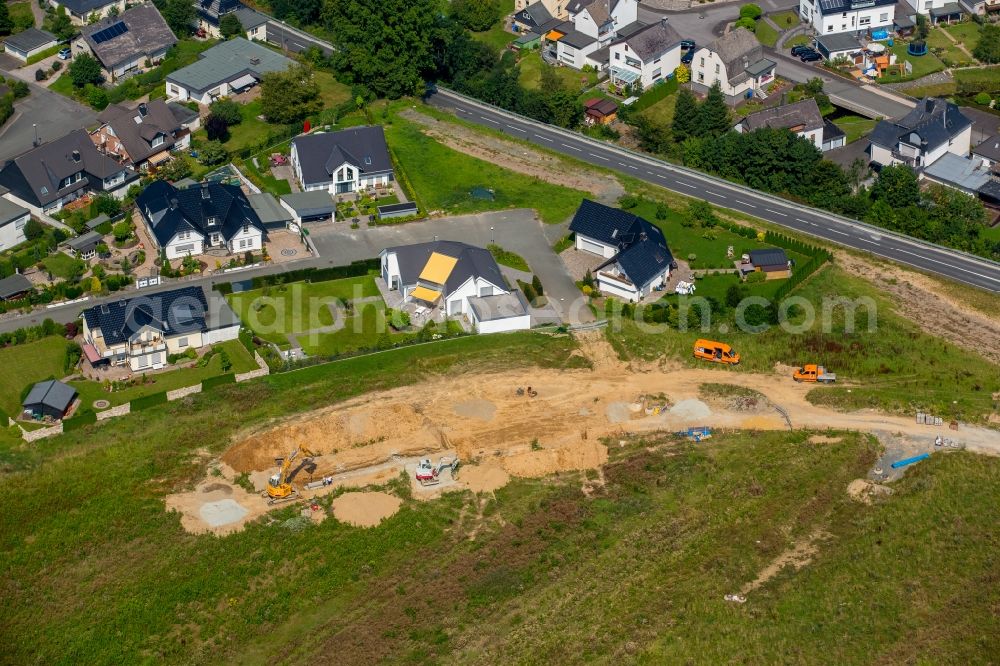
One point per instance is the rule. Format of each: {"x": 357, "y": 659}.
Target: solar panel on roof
{"x": 109, "y": 33}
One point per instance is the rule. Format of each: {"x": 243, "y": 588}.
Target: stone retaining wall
{"x": 35, "y": 435}
{"x": 177, "y": 394}
{"x": 262, "y": 370}
{"x": 120, "y": 410}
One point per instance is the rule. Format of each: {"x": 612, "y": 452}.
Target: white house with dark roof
{"x": 828, "y": 17}
{"x": 736, "y": 62}
{"x": 29, "y": 42}
{"x": 81, "y": 11}
{"x": 456, "y": 279}
{"x": 142, "y": 331}
{"x": 353, "y": 159}
{"x": 637, "y": 259}
{"x": 918, "y": 139}
{"x": 45, "y": 178}
{"x": 223, "y": 70}
{"x": 125, "y": 43}
{"x": 648, "y": 56}
{"x": 185, "y": 222}
{"x": 801, "y": 118}
{"x": 13, "y": 219}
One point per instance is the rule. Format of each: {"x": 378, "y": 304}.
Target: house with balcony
{"x": 353, "y": 159}
{"x": 648, "y": 56}
{"x": 918, "y": 139}
{"x": 736, "y": 62}
{"x": 454, "y": 279}
{"x": 46, "y": 178}
{"x": 637, "y": 261}
{"x": 142, "y": 332}
{"x": 191, "y": 221}
{"x": 828, "y": 17}
{"x": 142, "y": 137}
{"x": 128, "y": 43}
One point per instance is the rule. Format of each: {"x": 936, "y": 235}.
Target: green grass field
{"x": 922, "y": 65}
{"x": 331, "y": 91}
{"x": 61, "y": 265}
{"x": 766, "y": 35}
{"x": 951, "y": 56}
{"x": 21, "y": 11}
{"x": 277, "y": 311}
{"x": 797, "y": 40}
{"x": 23, "y": 365}
{"x": 496, "y": 37}
{"x": 966, "y": 33}
{"x": 893, "y": 366}
{"x": 854, "y": 127}
{"x": 531, "y": 65}
{"x": 241, "y": 359}
{"x": 423, "y": 159}
{"x": 786, "y": 20}
{"x": 662, "y": 112}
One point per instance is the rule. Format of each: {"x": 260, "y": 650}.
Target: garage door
{"x": 591, "y": 246}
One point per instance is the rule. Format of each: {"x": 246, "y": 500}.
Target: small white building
{"x": 939, "y": 11}
{"x": 648, "y": 56}
{"x": 457, "y": 278}
{"x": 829, "y": 17}
{"x": 353, "y": 159}
{"x": 30, "y": 42}
{"x": 13, "y": 219}
{"x": 637, "y": 259}
{"x": 918, "y": 139}
{"x": 736, "y": 62}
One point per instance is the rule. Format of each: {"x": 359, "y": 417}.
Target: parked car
{"x": 687, "y": 57}
{"x": 811, "y": 56}
{"x": 65, "y": 54}
{"x": 687, "y": 44}
{"x": 800, "y": 49}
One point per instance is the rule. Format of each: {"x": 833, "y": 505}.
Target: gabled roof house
{"x": 649, "y": 55}
{"x": 637, "y": 259}
{"x": 140, "y": 137}
{"x": 45, "y": 178}
{"x": 50, "y": 398}
{"x": 141, "y": 332}
{"x": 918, "y": 139}
{"x": 123, "y": 44}
{"x": 736, "y": 62}
{"x": 81, "y": 11}
{"x": 801, "y": 118}
{"x": 352, "y": 159}
{"x": 457, "y": 278}
{"x": 185, "y": 222}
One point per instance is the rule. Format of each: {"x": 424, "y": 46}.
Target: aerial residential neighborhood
{"x": 500, "y": 331}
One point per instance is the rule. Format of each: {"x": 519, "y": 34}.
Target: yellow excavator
{"x": 279, "y": 486}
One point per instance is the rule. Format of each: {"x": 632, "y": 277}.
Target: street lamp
{"x": 491, "y": 235}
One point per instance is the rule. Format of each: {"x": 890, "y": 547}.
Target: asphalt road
{"x": 911, "y": 252}
{"x": 55, "y": 115}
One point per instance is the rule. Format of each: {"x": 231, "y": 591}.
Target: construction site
{"x": 475, "y": 431}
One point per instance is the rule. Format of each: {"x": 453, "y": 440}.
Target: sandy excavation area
{"x": 365, "y": 509}
{"x": 498, "y": 434}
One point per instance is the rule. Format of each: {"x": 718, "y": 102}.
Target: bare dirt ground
{"x": 797, "y": 556}
{"x": 863, "y": 490}
{"x": 498, "y": 434}
{"x": 517, "y": 157}
{"x": 365, "y": 509}
{"x": 927, "y": 303}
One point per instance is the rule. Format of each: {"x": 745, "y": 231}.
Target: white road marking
{"x": 836, "y": 231}
{"x": 693, "y": 187}
{"x": 744, "y": 203}
{"x": 544, "y": 138}
{"x": 776, "y": 212}
{"x": 571, "y": 147}
{"x": 652, "y": 173}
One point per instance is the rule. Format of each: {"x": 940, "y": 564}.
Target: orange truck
{"x": 717, "y": 352}
{"x": 814, "y": 373}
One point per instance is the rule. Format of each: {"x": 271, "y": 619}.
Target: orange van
{"x": 717, "y": 352}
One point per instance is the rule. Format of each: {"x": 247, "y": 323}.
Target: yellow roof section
{"x": 425, "y": 294}
{"x": 438, "y": 268}
{"x": 554, "y": 35}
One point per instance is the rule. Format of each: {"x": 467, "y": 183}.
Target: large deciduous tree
{"x": 230, "y": 26}
{"x": 289, "y": 96}
{"x": 476, "y": 15}
{"x": 897, "y": 185}
{"x": 385, "y": 45}
{"x": 179, "y": 15}
{"x": 85, "y": 69}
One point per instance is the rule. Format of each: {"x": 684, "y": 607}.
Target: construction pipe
{"x": 909, "y": 461}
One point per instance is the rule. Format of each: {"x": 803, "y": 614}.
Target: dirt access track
{"x": 518, "y": 157}
{"x": 499, "y": 434}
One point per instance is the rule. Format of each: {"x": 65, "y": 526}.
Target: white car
{"x": 686, "y": 288}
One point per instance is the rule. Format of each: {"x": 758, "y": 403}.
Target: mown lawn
{"x": 496, "y": 37}
{"x": 531, "y": 66}
{"x": 331, "y": 91}
{"x": 61, "y": 265}
{"x": 277, "y": 311}
{"x": 21, "y": 11}
{"x": 966, "y": 33}
{"x": 786, "y": 20}
{"x": 766, "y": 35}
{"x": 23, "y": 365}
{"x": 951, "y": 55}
{"x": 158, "y": 382}
{"x": 855, "y": 127}
{"x": 922, "y": 65}
{"x": 424, "y": 160}
{"x": 889, "y": 363}
{"x": 662, "y": 112}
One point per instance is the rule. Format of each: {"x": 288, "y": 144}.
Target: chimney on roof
{"x": 143, "y": 110}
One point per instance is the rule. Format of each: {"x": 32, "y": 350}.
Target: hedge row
{"x": 655, "y": 94}
{"x": 51, "y": 51}
{"x": 80, "y": 420}
{"x": 147, "y": 401}
{"x": 219, "y": 380}
{"x": 354, "y": 269}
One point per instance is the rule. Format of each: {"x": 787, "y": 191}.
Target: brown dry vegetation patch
{"x": 518, "y": 157}
{"x": 931, "y": 305}
{"x": 797, "y": 556}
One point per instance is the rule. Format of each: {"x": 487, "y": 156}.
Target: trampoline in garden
{"x": 917, "y": 48}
